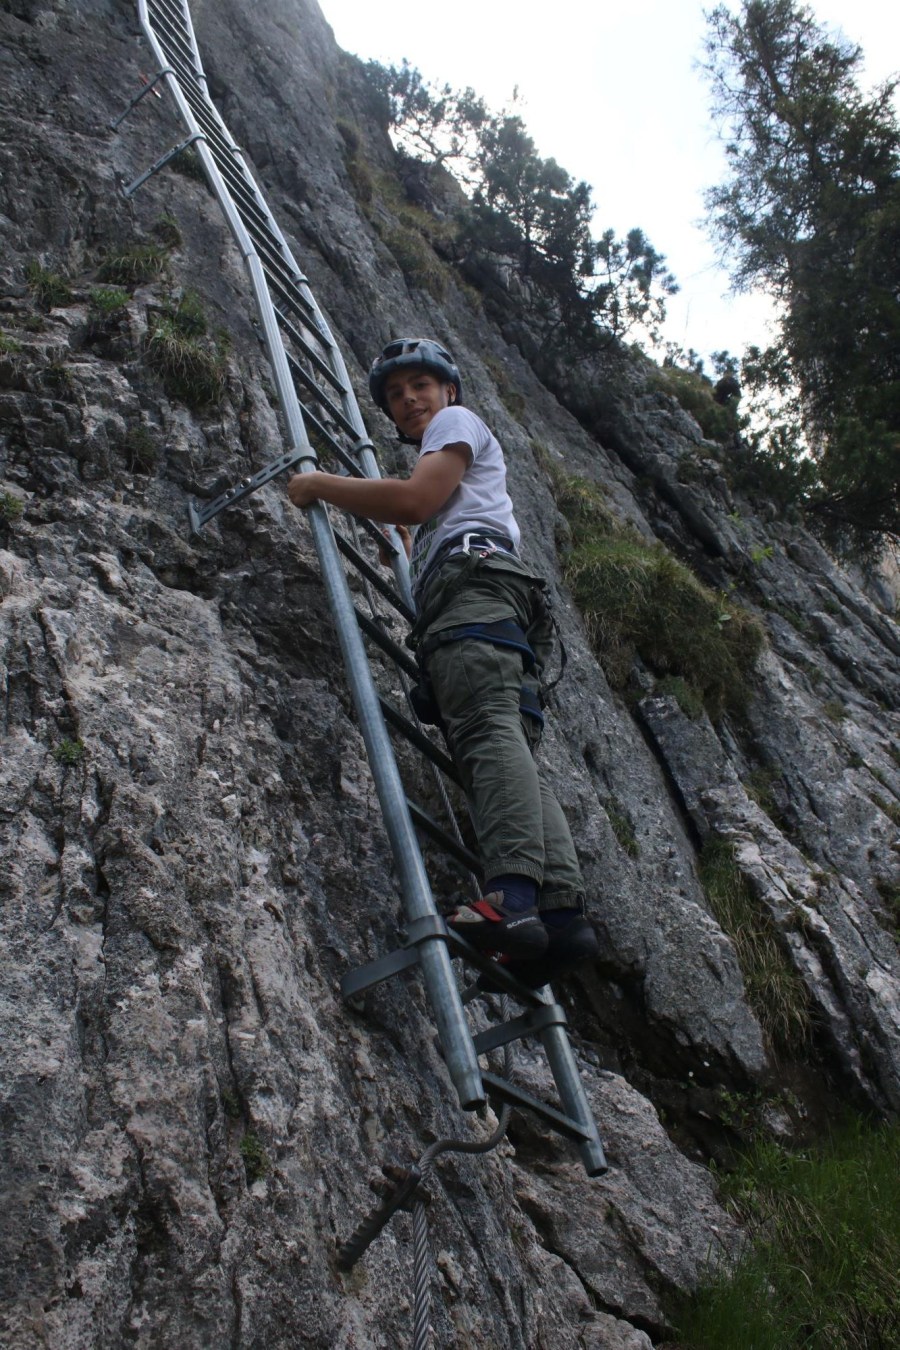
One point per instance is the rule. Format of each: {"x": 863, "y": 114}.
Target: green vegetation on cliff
{"x": 637, "y": 600}
{"x": 821, "y": 1269}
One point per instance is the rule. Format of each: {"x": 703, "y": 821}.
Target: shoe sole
{"x": 524, "y": 942}
{"x": 534, "y": 974}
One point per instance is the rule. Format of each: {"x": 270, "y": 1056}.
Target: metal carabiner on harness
{"x": 485, "y": 548}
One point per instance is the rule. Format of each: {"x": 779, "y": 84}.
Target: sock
{"x": 559, "y": 918}
{"x": 519, "y": 893}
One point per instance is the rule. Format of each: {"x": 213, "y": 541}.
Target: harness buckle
{"x": 485, "y": 548}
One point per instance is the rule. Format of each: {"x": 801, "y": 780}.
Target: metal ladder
{"x": 314, "y": 392}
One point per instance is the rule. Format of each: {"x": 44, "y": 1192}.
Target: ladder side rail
{"x": 272, "y": 338}
{"x": 366, "y": 456}
{"x": 437, "y": 969}
{"x": 572, "y": 1095}
{"x": 366, "y": 453}
{"x": 456, "y": 1040}
{"x": 208, "y": 110}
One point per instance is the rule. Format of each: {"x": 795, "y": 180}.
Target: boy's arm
{"x": 396, "y": 501}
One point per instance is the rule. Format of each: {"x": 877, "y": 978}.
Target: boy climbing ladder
{"x": 482, "y": 636}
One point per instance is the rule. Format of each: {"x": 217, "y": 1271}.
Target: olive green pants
{"x": 518, "y": 822}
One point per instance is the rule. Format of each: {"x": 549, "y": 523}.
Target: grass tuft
{"x": 822, "y": 1271}
{"x": 11, "y": 507}
{"x": 231, "y": 1104}
{"x": 775, "y": 991}
{"x": 256, "y": 1164}
{"x": 890, "y": 809}
{"x": 167, "y": 231}
{"x": 134, "y": 266}
{"x": 108, "y": 302}
{"x": 686, "y": 695}
{"x": 50, "y": 289}
{"x": 191, "y": 366}
{"x": 512, "y": 400}
{"x": 106, "y": 310}
{"x": 638, "y": 600}
{"x": 140, "y": 450}
{"x": 68, "y": 753}
{"x": 760, "y": 787}
{"x": 190, "y": 316}
{"x": 889, "y": 893}
{"x": 621, "y": 826}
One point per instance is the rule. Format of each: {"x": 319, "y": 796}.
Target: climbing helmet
{"x": 406, "y": 352}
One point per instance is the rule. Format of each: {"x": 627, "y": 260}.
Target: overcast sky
{"x": 614, "y": 94}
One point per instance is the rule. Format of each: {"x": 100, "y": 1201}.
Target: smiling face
{"x": 413, "y": 397}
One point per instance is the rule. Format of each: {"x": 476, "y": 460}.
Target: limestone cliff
{"x": 192, "y": 847}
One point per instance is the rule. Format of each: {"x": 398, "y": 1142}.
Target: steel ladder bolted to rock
{"x": 304, "y": 357}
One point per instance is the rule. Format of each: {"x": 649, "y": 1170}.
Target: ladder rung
{"x": 496, "y": 1086}
{"x": 318, "y": 361}
{"x": 169, "y": 23}
{"x": 174, "y": 14}
{"x": 253, "y": 216}
{"x": 387, "y": 644}
{"x": 173, "y": 19}
{"x": 171, "y": 39}
{"x": 344, "y": 456}
{"x": 203, "y": 109}
{"x": 438, "y": 835}
{"x": 353, "y": 555}
{"x": 291, "y": 295}
{"x": 418, "y": 738}
{"x": 320, "y": 396}
{"x": 529, "y": 1024}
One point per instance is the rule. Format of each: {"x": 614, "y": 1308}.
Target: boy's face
{"x": 413, "y": 397}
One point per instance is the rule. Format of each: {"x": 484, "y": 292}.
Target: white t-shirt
{"x": 480, "y": 503}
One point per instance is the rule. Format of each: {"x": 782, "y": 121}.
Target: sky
{"x": 615, "y": 95}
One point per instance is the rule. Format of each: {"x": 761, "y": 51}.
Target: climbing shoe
{"x": 488, "y": 925}
{"x": 566, "y": 948}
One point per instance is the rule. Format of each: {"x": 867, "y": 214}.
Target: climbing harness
{"x": 315, "y": 396}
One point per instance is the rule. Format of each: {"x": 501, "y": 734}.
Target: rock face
{"x": 193, "y": 851}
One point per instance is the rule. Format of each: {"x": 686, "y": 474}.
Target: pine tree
{"x": 811, "y": 213}
{"x": 526, "y": 214}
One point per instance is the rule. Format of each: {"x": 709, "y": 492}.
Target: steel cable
{"x": 422, "y": 1313}
{"x": 421, "y": 1253}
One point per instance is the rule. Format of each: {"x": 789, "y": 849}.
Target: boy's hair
{"x": 404, "y": 353}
